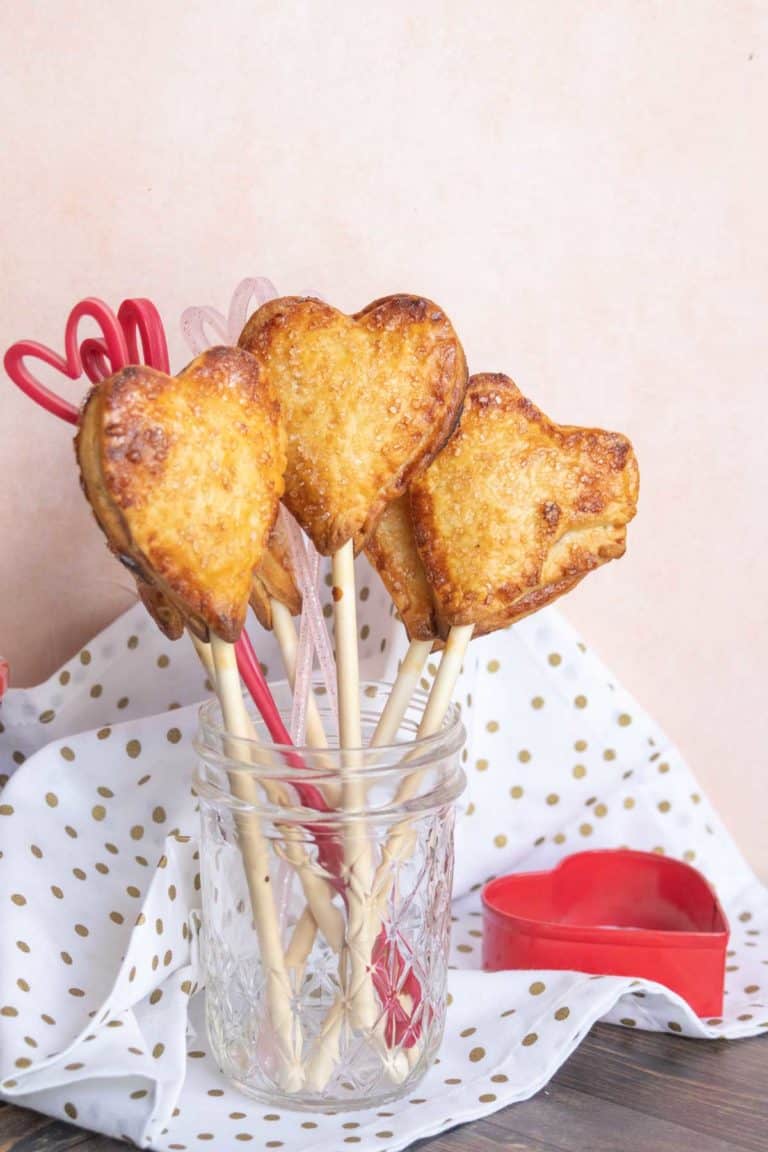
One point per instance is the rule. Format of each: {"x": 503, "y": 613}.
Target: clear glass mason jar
{"x": 326, "y": 889}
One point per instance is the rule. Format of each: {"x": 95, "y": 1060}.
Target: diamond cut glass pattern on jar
{"x": 333, "y": 995}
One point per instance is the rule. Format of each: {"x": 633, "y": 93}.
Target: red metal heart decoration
{"x": 140, "y": 321}
{"x": 140, "y": 318}
{"x": 114, "y": 347}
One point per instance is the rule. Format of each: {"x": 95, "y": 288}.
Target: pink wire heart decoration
{"x": 249, "y": 294}
{"x": 112, "y": 350}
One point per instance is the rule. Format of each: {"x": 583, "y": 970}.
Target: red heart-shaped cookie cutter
{"x": 613, "y": 912}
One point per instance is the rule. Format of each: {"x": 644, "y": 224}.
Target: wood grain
{"x": 621, "y": 1091}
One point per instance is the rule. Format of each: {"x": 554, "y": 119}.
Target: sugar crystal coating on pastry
{"x": 367, "y": 400}
{"x": 184, "y": 475}
{"x": 517, "y": 509}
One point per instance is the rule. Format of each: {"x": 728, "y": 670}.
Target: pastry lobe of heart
{"x": 163, "y": 611}
{"x": 392, "y": 550}
{"x": 184, "y": 475}
{"x": 275, "y": 579}
{"x": 516, "y": 509}
{"x": 368, "y": 400}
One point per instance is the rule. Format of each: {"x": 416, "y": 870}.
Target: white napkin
{"x": 101, "y": 1011}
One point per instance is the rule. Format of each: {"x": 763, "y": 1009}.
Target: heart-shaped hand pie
{"x": 367, "y": 400}
{"x": 516, "y": 509}
{"x": 184, "y": 475}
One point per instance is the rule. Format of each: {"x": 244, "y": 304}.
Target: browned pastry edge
{"x": 391, "y": 549}
{"x": 274, "y": 579}
{"x": 162, "y": 610}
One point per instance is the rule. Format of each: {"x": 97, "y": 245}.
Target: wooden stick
{"x": 405, "y": 685}
{"x": 398, "y": 845}
{"x": 363, "y": 1005}
{"x": 320, "y": 911}
{"x": 324, "y": 1057}
{"x": 318, "y": 895}
{"x": 255, "y": 851}
{"x": 317, "y": 892}
{"x": 387, "y": 728}
{"x": 347, "y": 663}
{"x": 331, "y": 924}
{"x": 445, "y": 682}
{"x": 205, "y": 657}
{"x": 399, "y": 841}
{"x": 302, "y": 940}
{"x": 287, "y": 639}
{"x": 325, "y": 1054}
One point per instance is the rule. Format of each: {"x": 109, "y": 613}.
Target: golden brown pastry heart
{"x": 367, "y": 401}
{"x": 516, "y": 509}
{"x": 184, "y": 475}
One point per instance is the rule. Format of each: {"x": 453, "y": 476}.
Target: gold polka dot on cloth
{"x": 101, "y": 1007}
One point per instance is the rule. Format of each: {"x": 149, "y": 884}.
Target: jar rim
{"x": 270, "y": 760}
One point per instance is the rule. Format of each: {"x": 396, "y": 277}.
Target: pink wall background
{"x": 582, "y": 186}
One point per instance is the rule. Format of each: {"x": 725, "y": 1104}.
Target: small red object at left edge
{"x": 5, "y": 672}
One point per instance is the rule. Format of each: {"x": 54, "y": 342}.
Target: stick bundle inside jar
{"x": 321, "y": 434}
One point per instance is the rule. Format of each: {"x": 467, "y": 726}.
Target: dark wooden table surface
{"x": 621, "y": 1091}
